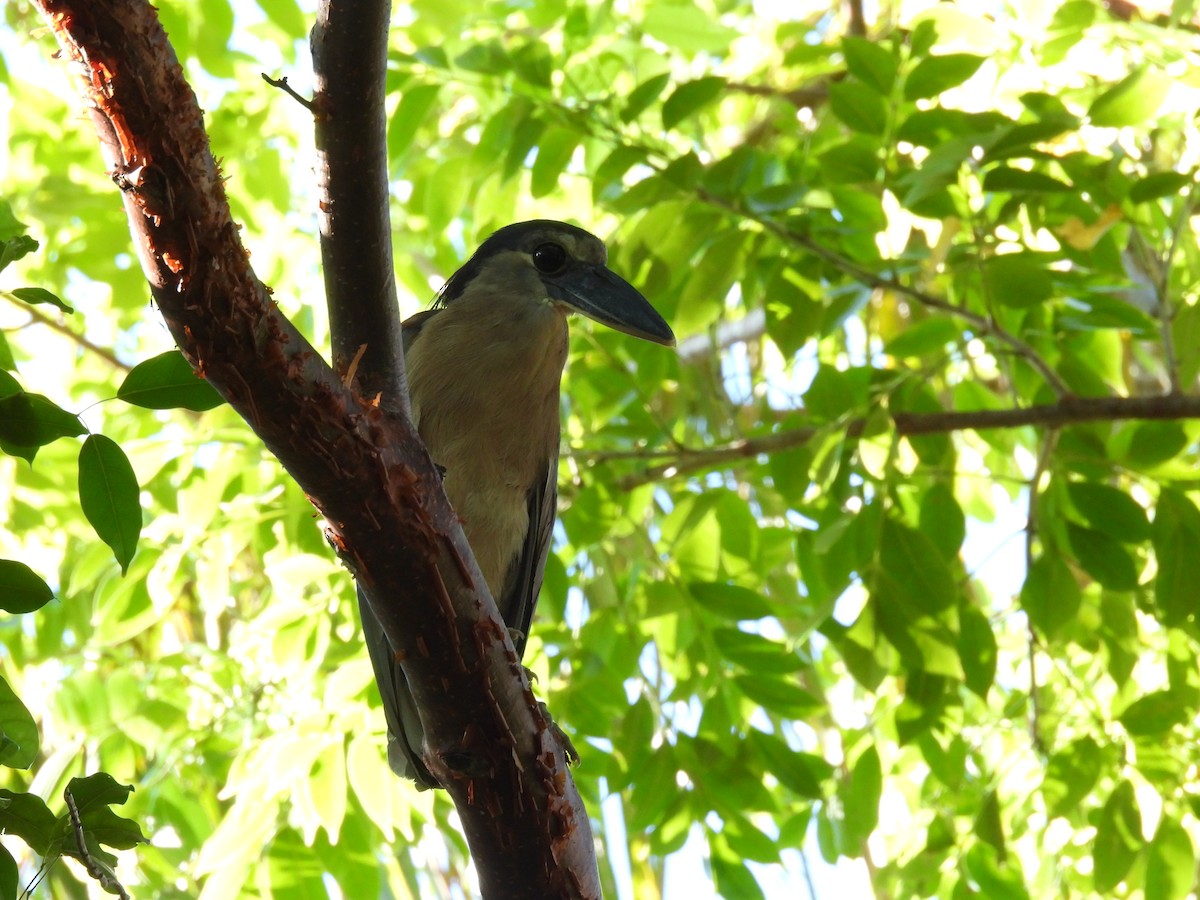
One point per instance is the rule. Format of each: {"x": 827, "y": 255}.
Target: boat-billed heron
{"x": 484, "y": 366}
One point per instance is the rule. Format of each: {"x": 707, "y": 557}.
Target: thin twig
{"x": 101, "y": 873}
{"x": 1069, "y": 411}
{"x": 1043, "y": 464}
{"x": 282, "y": 84}
{"x": 1162, "y": 288}
{"x": 50, "y": 322}
{"x": 983, "y": 325}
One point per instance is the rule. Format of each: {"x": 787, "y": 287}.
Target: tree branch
{"x": 36, "y": 315}
{"x": 363, "y": 468}
{"x": 983, "y": 325}
{"x": 349, "y": 47}
{"x": 1069, "y": 411}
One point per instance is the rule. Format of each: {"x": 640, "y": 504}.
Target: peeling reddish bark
{"x": 361, "y": 465}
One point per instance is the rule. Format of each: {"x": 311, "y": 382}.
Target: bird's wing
{"x": 524, "y": 582}
{"x": 410, "y": 329}
{"x": 405, "y": 734}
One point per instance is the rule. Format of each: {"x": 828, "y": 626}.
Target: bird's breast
{"x": 485, "y": 399}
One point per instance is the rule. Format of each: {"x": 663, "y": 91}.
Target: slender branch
{"x": 50, "y": 322}
{"x": 1162, "y": 287}
{"x": 282, "y": 84}
{"x": 1031, "y": 529}
{"x": 363, "y": 468}
{"x": 349, "y": 46}
{"x": 858, "y": 21}
{"x": 1069, "y": 411}
{"x": 100, "y": 873}
{"x": 801, "y": 97}
{"x": 748, "y": 328}
{"x": 983, "y": 325}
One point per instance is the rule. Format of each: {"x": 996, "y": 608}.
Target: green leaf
{"x": 1017, "y": 280}
{"x": 793, "y": 316}
{"x": 1118, "y": 838}
{"x": 1132, "y": 100}
{"x": 18, "y": 731}
{"x": 10, "y": 225}
{"x": 1050, "y": 595}
{"x": 1170, "y": 862}
{"x": 642, "y": 96}
{"x": 942, "y": 520}
{"x": 687, "y": 27}
{"x": 778, "y": 696}
{"x": 690, "y": 97}
{"x": 729, "y": 600}
{"x": 748, "y": 842}
{"x": 1110, "y": 510}
{"x": 486, "y": 58}
{"x": 860, "y": 797}
{"x": 936, "y": 74}
{"x": 533, "y": 64}
{"x": 1176, "y": 535}
{"x": 988, "y": 826}
{"x": 1157, "y": 185}
{"x": 925, "y": 338}
{"x": 416, "y": 103}
{"x": 32, "y": 421}
{"x": 733, "y": 880}
{"x": 853, "y": 161}
{"x": 28, "y": 817}
{"x": 109, "y": 495}
{"x": 35, "y": 295}
{"x": 913, "y": 570}
{"x": 8, "y": 875}
{"x": 1155, "y": 713}
{"x": 1103, "y": 558}
{"x": 287, "y": 15}
{"x": 861, "y": 108}
{"x": 1100, "y": 312}
{"x": 1071, "y": 775}
{"x": 1151, "y": 444}
{"x": 14, "y": 248}
{"x": 756, "y": 653}
{"x": 870, "y": 63}
{"x": 167, "y": 381}
{"x": 997, "y": 880}
{"x": 555, "y": 150}
{"x": 1006, "y": 178}
{"x": 798, "y": 771}
{"x": 977, "y": 650}
{"x": 21, "y": 589}
{"x": 834, "y": 394}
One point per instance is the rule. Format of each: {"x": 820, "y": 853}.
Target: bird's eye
{"x": 550, "y": 259}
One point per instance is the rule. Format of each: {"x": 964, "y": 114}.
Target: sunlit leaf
{"x": 167, "y": 381}
{"x": 18, "y": 731}
{"x": 36, "y": 295}
{"x": 1118, "y": 837}
{"x": 935, "y": 74}
{"x": 690, "y": 97}
{"x": 21, "y": 589}
{"x": 109, "y": 495}
{"x": 1133, "y": 99}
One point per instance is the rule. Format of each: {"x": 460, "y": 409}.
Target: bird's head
{"x": 547, "y": 261}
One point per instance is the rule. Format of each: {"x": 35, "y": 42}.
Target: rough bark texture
{"x": 361, "y": 464}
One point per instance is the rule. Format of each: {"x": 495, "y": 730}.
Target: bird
{"x": 484, "y": 368}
